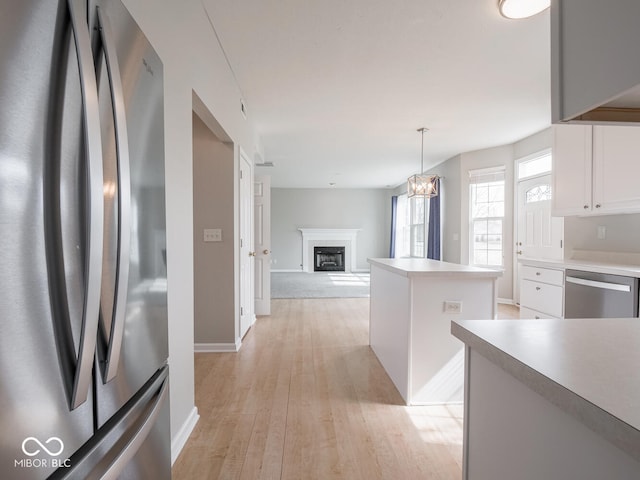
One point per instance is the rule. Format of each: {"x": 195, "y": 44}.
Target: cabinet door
{"x": 616, "y": 169}
{"x": 571, "y": 170}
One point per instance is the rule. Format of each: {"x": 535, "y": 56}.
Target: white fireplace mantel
{"x": 326, "y": 237}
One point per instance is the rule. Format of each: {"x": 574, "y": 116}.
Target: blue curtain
{"x": 433, "y": 245}
{"x": 394, "y": 214}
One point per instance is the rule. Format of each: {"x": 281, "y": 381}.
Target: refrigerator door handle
{"x": 110, "y": 366}
{"x": 93, "y": 262}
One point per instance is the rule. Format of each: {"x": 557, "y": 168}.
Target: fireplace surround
{"x": 329, "y": 237}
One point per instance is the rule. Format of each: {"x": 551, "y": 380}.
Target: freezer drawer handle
{"x": 111, "y": 449}
{"x": 133, "y": 445}
{"x": 595, "y": 284}
{"x": 110, "y": 366}
{"x": 93, "y": 265}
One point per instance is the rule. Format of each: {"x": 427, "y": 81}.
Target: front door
{"x": 539, "y": 235}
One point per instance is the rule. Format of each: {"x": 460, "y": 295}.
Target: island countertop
{"x": 587, "y": 367}
{"x": 413, "y": 267}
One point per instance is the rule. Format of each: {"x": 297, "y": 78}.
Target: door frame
{"x": 516, "y": 211}
{"x": 245, "y": 244}
{"x": 262, "y": 229}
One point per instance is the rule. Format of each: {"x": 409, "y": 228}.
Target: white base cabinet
{"x": 541, "y": 292}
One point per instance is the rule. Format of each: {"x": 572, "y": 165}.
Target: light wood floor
{"x": 306, "y": 398}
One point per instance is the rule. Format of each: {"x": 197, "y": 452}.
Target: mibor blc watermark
{"x": 53, "y": 447}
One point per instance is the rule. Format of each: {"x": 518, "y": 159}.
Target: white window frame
{"x": 418, "y": 225}
{"x": 409, "y": 226}
{"x": 487, "y": 176}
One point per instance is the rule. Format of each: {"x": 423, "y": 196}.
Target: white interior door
{"x": 247, "y": 253}
{"x": 539, "y": 235}
{"x": 262, "y": 238}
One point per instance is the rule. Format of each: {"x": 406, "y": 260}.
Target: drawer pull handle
{"x": 538, "y": 273}
{"x": 537, "y": 288}
{"x": 537, "y": 317}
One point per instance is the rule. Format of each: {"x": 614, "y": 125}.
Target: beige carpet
{"x": 319, "y": 285}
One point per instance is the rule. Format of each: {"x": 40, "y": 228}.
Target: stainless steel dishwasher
{"x": 599, "y": 295}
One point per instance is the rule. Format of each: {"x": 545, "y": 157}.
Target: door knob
{"x": 519, "y": 252}
{"x": 252, "y": 254}
{"x": 266, "y": 252}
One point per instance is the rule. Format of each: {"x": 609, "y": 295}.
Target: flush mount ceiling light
{"x": 522, "y": 8}
{"x": 422, "y": 184}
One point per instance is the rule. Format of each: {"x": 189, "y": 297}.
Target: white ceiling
{"x": 337, "y": 88}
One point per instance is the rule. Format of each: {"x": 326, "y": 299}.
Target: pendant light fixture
{"x": 522, "y": 8}
{"x": 422, "y": 185}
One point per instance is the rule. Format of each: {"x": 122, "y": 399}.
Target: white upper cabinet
{"x": 616, "y": 169}
{"x": 572, "y": 161}
{"x": 595, "y": 72}
{"x": 596, "y": 170}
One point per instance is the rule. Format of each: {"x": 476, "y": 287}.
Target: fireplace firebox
{"x": 328, "y": 259}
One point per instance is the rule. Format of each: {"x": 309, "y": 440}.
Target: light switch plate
{"x": 212, "y": 235}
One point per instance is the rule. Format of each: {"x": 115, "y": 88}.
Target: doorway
{"x": 216, "y": 235}
{"x": 539, "y": 235}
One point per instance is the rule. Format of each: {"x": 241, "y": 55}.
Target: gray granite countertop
{"x": 410, "y": 267}
{"x": 590, "y": 368}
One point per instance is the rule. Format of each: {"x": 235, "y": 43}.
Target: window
{"x": 487, "y": 216}
{"x": 410, "y": 226}
{"x": 539, "y": 193}
{"x": 535, "y": 165}
{"x": 419, "y": 220}
{"x": 403, "y": 220}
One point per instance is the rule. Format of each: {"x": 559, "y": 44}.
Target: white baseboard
{"x": 217, "y": 347}
{"x": 180, "y": 439}
{"x": 507, "y": 301}
{"x": 284, "y": 270}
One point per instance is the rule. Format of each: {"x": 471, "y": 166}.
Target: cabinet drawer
{"x": 528, "y": 314}
{"x": 542, "y": 297}
{"x": 544, "y": 275}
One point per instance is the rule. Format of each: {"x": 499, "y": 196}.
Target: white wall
{"x": 182, "y": 36}
{"x": 292, "y": 208}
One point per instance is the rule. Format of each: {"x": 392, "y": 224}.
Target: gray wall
{"x": 213, "y": 275}
{"x": 293, "y": 208}
{"x": 455, "y": 218}
{"x": 622, "y": 234}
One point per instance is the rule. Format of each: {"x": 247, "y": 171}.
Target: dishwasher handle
{"x": 595, "y": 284}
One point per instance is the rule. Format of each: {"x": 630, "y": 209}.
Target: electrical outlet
{"x": 452, "y": 307}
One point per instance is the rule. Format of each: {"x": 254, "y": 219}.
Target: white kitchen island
{"x": 551, "y": 399}
{"x": 412, "y": 304}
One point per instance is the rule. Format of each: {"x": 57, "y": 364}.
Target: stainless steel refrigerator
{"x": 83, "y": 291}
